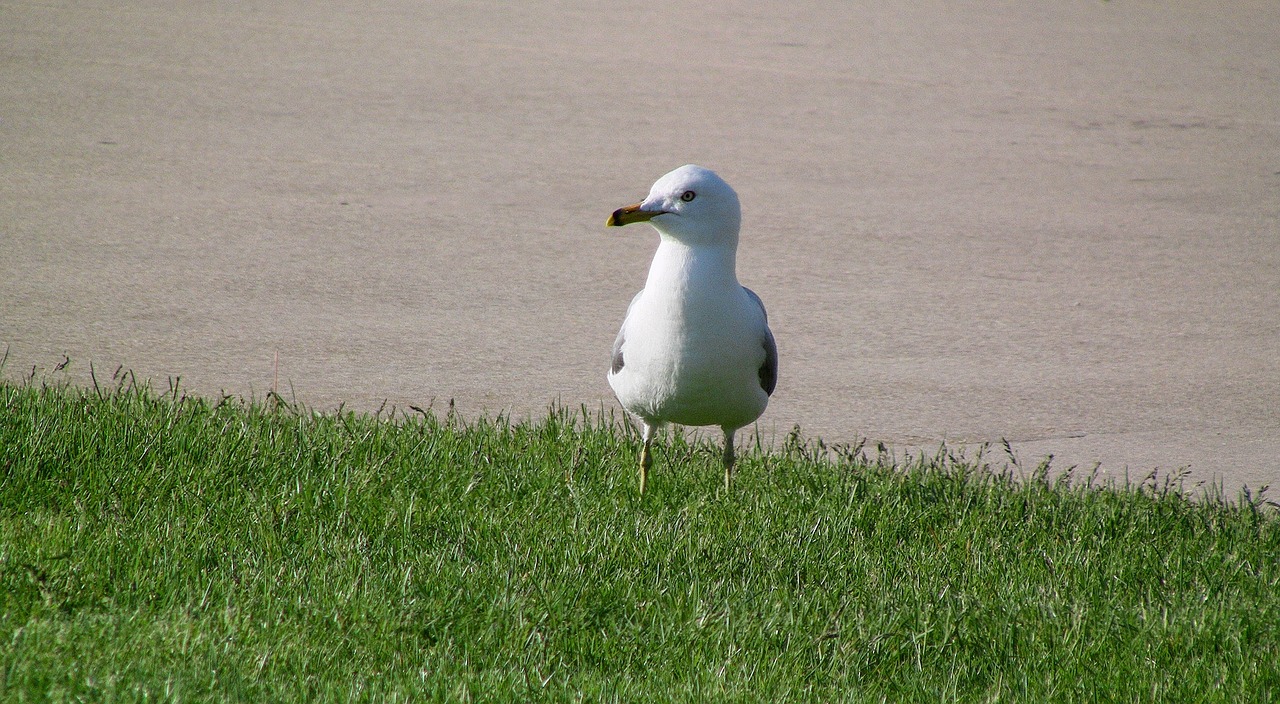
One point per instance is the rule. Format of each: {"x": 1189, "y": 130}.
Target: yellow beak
{"x": 630, "y": 214}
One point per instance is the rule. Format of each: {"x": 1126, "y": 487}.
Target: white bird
{"x": 695, "y": 347}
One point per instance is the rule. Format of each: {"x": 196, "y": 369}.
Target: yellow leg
{"x": 646, "y": 456}
{"x": 729, "y": 458}
{"x": 646, "y": 461}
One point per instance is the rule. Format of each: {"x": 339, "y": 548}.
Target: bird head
{"x": 691, "y": 204}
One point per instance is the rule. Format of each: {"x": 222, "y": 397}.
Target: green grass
{"x": 159, "y": 547}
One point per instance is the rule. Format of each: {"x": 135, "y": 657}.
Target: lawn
{"x": 164, "y": 547}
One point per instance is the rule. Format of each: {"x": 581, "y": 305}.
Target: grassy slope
{"x": 183, "y": 548}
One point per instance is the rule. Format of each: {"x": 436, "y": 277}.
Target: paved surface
{"x": 1052, "y": 222}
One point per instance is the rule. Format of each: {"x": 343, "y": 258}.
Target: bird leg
{"x": 646, "y": 456}
{"x": 646, "y": 461}
{"x": 728, "y": 457}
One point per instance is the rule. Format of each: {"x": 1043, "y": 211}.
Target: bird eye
{"x": 688, "y": 196}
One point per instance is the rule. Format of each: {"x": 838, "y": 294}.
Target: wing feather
{"x": 769, "y": 370}
{"x": 617, "y": 362}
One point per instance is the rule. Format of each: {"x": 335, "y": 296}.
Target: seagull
{"x": 695, "y": 347}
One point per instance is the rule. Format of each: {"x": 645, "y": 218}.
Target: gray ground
{"x": 1052, "y": 222}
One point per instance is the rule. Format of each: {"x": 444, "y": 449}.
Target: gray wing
{"x": 768, "y": 370}
{"x": 617, "y": 363}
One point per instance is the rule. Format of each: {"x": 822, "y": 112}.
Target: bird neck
{"x": 676, "y": 264}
